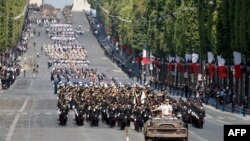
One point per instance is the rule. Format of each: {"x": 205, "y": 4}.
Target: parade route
{"x": 28, "y": 110}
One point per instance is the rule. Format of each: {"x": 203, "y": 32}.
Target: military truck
{"x": 165, "y": 128}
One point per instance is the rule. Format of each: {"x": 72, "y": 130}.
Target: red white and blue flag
{"x": 144, "y": 57}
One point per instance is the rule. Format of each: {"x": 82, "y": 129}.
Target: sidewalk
{"x": 227, "y": 110}
{"x": 236, "y": 113}
{"x": 114, "y": 53}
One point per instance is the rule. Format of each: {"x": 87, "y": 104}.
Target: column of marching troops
{"x": 93, "y": 96}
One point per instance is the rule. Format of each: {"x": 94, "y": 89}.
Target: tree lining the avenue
{"x": 175, "y": 27}
{"x": 11, "y": 26}
{"x": 217, "y": 31}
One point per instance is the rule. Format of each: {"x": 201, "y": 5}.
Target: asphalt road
{"x": 28, "y": 109}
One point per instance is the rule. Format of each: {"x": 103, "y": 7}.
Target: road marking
{"x": 224, "y": 122}
{"x": 245, "y": 119}
{"x": 231, "y": 118}
{"x": 208, "y": 116}
{"x": 14, "y": 122}
{"x": 10, "y": 114}
{"x": 48, "y": 113}
{"x": 24, "y": 105}
{"x": 220, "y": 117}
{"x": 31, "y": 83}
{"x": 104, "y": 58}
{"x": 116, "y": 70}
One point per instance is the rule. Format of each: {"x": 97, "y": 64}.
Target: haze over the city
{"x": 59, "y": 3}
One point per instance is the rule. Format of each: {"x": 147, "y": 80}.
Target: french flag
{"x": 144, "y": 57}
{"x": 237, "y": 62}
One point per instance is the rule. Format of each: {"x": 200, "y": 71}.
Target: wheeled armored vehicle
{"x": 165, "y": 128}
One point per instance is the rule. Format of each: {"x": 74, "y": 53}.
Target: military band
{"x": 118, "y": 104}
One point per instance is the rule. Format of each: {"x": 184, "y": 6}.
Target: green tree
{"x": 179, "y": 26}
{"x": 11, "y": 24}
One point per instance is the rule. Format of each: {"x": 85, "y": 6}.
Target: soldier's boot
{"x": 140, "y": 127}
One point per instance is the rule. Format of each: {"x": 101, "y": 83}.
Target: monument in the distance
{"x": 80, "y": 5}
{"x": 37, "y": 2}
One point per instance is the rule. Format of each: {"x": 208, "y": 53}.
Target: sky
{"x": 59, "y": 3}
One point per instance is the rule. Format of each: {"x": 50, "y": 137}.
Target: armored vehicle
{"x": 165, "y": 128}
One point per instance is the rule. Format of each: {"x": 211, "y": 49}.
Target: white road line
{"x": 231, "y": 118}
{"x": 104, "y": 58}
{"x": 31, "y": 112}
{"x": 24, "y": 105}
{"x": 31, "y": 83}
{"x": 208, "y": 116}
{"x": 220, "y": 117}
{"x": 10, "y": 114}
{"x": 224, "y": 122}
{"x": 116, "y": 70}
{"x": 14, "y": 122}
{"x": 12, "y": 128}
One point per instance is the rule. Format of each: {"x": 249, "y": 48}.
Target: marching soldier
{"x": 138, "y": 115}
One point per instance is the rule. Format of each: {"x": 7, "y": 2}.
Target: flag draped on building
{"x": 237, "y": 62}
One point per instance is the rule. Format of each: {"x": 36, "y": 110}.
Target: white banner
{"x": 237, "y": 58}
{"x": 210, "y": 57}
{"x": 195, "y": 58}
